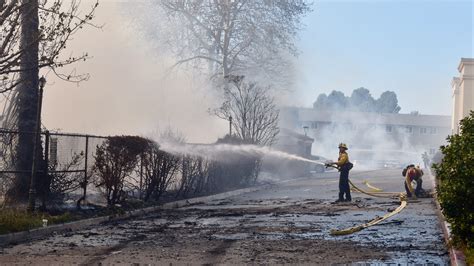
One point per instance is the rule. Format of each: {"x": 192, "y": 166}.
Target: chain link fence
{"x": 66, "y": 158}
{"x": 78, "y": 170}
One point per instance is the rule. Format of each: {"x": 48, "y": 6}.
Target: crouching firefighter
{"x": 412, "y": 173}
{"x": 344, "y": 166}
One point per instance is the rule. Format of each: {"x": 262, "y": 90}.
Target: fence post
{"x": 46, "y": 152}
{"x": 85, "y": 168}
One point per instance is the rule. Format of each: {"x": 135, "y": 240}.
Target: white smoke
{"x": 371, "y": 140}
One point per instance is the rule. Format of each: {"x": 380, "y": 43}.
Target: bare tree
{"x": 253, "y": 111}
{"x": 34, "y": 33}
{"x": 9, "y": 43}
{"x": 50, "y": 25}
{"x": 238, "y": 37}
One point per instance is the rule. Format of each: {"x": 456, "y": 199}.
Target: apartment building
{"x": 463, "y": 92}
{"x": 389, "y": 135}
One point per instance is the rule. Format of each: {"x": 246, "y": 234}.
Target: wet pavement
{"x": 289, "y": 223}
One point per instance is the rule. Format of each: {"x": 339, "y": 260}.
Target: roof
{"x": 465, "y": 61}
{"x": 310, "y": 114}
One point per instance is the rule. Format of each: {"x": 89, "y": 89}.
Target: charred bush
{"x": 227, "y": 170}
{"x": 159, "y": 168}
{"x": 236, "y": 169}
{"x": 194, "y": 176}
{"x": 115, "y": 160}
{"x": 61, "y": 180}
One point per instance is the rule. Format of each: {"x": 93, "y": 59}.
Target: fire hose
{"x": 374, "y": 221}
{"x": 375, "y": 189}
{"x": 378, "y": 219}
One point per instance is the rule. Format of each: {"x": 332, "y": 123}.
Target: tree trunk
{"x": 27, "y": 98}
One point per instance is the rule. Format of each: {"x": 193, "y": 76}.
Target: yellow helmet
{"x": 343, "y": 145}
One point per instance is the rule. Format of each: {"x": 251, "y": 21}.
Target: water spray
{"x": 218, "y": 151}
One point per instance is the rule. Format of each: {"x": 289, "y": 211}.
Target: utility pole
{"x": 230, "y": 126}
{"x": 36, "y": 143}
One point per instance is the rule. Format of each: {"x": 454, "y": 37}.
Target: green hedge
{"x": 455, "y": 187}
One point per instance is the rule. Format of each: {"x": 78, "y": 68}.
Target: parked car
{"x": 318, "y": 168}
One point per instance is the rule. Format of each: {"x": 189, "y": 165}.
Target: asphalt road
{"x": 289, "y": 223}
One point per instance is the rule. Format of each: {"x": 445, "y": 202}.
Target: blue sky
{"x": 410, "y": 47}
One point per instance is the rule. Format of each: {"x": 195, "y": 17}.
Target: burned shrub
{"x": 194, "y": 176}
{"x": 115, "y": 160}
{"x": 234, "y": 169}
{"x": 158, "y": 170}
{"x": 225, "y": 169}
{"x": 61, "y": 180}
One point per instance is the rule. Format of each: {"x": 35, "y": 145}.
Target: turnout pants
{"x": 419, "y": 182}
{"x": 344, "y": 185}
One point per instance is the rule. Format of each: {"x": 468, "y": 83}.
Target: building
{"x": 292, "y": 142}
{"x": 370, "y": 136}
{"x": 463, "y": 92}
{"x": 295, "y": 143}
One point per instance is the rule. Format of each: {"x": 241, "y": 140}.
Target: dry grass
{"x": 14, "y": 220}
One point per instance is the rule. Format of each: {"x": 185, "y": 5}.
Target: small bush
{"x": 456, "y": 183}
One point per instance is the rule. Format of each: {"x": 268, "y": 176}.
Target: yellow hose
{"x": 375, "y": 189}
{"x": 376, "y": 220}
{"x": 376, "y": 194}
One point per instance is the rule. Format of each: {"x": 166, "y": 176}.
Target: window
{"x": 314, "y": 125}
{"x": 433, "y": 130}
{"x": 408, "y": 130}
{"x": 388, "y": 128}
{"x": 423, "y": 130}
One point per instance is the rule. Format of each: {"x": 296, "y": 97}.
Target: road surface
{"x": 289, "y": 223}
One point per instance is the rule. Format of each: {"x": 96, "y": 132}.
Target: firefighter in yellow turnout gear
{"x": 344, "y": 166}
{"x": 412, "y": 173}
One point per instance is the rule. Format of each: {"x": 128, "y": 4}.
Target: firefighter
{"x": 343, "y": 165}
{"x": 412, "y": 173}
